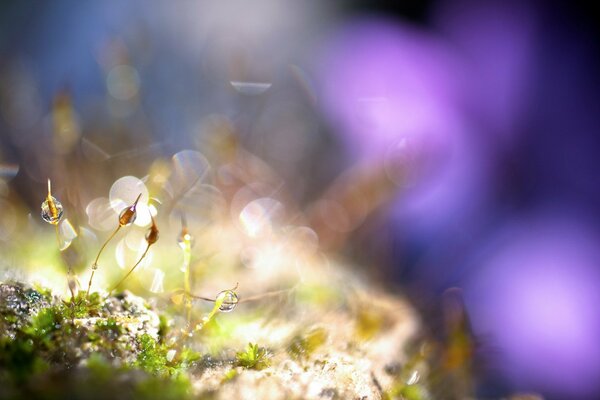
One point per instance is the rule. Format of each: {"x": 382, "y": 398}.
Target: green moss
{"x": 83, "y": 306}
{"x": 303, "y": 346}
{"x": 369, "y": 323}
{"x": 152, "y": 356}
{"x": 253, "y": 357}
{"x": 229, "y": 375}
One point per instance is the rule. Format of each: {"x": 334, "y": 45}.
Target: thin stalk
{"x": 246, "y": 299}
{"x": 69, "y": 269}
{"x": 131, "y": 270}
{"x": 95, "y": 264}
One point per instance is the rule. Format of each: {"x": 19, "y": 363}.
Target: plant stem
{"x": 95, "y": 264}
{"x": 131, "y": 270}
{"x": 69, "y": 269}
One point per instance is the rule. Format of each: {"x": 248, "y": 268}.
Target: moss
{"x": 303, "y": 346}
{"x": 152, "y": 356}
{"x": 369, "y": 323}
{"x": 83, "y": 306}
{"x": 253, "y": 357}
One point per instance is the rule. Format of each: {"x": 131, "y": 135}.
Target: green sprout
{"x": 253, "y": 357}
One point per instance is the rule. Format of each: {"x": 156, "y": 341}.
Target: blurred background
{"x": 431, "y": 144}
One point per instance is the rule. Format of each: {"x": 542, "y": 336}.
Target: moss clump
{"x": 67, "y": 345}
{"x": 97, "y": 379}
{"x": 253, "y": 357}
{"x": 303, "y": 346}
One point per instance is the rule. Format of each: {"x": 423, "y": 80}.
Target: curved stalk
{"x": 69, "y": 269}
{"x": 131, "y": 270}
{"x": 95, "y": 264}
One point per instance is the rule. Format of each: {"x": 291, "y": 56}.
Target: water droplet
{"x": 67, "y": 230}
{"x": 127, "y": 216}
{"x": 251, "y": 88}
{"x": 229, "y": 300}
{"x": 152, "y": 234}
{"x": 52, "y": 210}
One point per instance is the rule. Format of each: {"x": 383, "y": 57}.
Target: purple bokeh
{"x": 390, "y": 88}
{"x": 536, "y": 298}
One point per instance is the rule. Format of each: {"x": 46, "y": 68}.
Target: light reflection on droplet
{"x": 52, "y": 210}
{"x": 229, "y": 300}
{"x": 100, "y": 214}
{"x": 123, "y": 82}
{"x": 123, "y": 194}
{"x": 8, "y": 171}
{"x": 67, "y": 234}
{"x": 157, "y": 285}
{"x": 256, "y": 217}
{"x": 251, "y": 88}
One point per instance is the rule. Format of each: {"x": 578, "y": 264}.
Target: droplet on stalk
{"x": 52, "y": 209}
{"x": 127, "y": 216}
{"x": 152, "y": 234}
{"x": 228, "y": 300}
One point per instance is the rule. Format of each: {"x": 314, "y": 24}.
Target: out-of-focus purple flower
{"x": 496, "y": 41}
{"x": 382, "y": 80}
{"x": 394, "y": 93}
{"x": 536, "y": 297}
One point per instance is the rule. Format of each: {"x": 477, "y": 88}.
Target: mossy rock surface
{"x": 311, "y": 343}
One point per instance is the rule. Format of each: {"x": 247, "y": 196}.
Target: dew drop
{"x": 185, "y": 240}
{"x": 229, "y": 300}
{"x": 52, "y": 210}
{"x": 127, "y": 216}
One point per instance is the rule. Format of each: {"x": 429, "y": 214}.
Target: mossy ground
{"x": 306, "y": 345}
